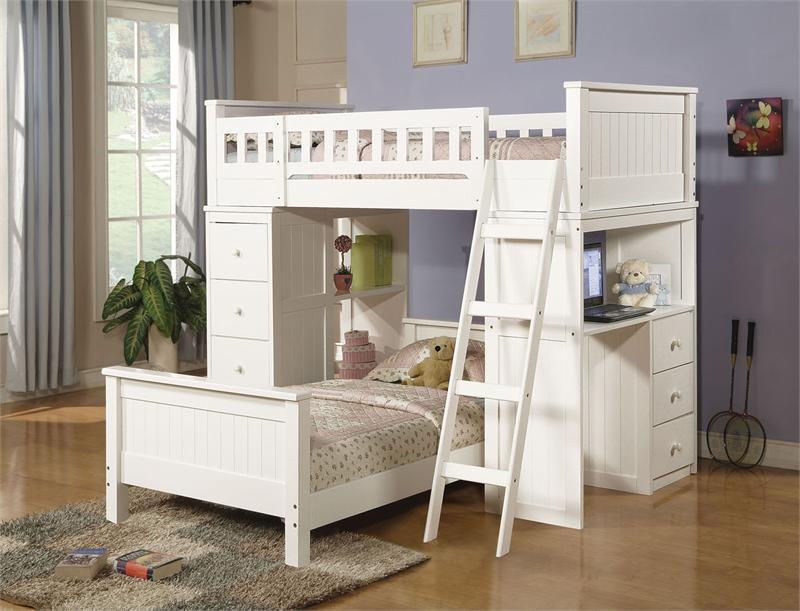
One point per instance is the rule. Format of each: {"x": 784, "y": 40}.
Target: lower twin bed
{"x": 310, "y": 454}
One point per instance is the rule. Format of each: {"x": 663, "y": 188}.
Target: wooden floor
{"x": 722, "y": 539}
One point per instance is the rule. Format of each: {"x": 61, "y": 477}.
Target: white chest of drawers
{"x": 640, "y": 426}
{"x": 270, "y": 297}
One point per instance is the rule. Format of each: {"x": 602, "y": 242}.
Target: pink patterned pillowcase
{"x": 395, "y": 368}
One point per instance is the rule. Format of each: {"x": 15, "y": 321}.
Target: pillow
{"x": 395, "y": 368}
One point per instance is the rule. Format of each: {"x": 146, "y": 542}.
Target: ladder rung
{"x": 513, "y": 232}
{"x": 481, "y": 390}
{"x": 520, "y": 311}
{"x": 471, "y": 473}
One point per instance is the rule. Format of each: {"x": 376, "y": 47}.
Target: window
{"x": 138, "y": 219}
{"x": 3, "y": 171}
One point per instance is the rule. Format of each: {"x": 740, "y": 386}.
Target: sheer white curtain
{"x": 41, "y": 288}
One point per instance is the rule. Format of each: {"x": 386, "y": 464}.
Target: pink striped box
{"x": 355, "y": 371}
{"x": 356, "y": 338}
{"x": 358, "y": 354}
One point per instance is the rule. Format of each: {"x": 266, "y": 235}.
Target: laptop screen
{"x": 592, "y": 275}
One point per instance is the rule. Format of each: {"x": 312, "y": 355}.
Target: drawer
{"x": 673, "y": 393}
{"x": 673, "y": 341}
{"x": 241, "y": 362}
{"x": 673, "y": 445}
{"x": 238, "y": 251}
{"x": 240, "y": 309}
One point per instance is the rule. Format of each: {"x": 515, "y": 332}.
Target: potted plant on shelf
{"x": 155, "y": 309}
{"x": 343, "y": 279}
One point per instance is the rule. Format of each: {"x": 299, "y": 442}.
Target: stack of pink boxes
{"x": 357, "y": 356}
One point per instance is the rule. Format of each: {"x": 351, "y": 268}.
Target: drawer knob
{"x": 238, "y": 369}
{"x": 675, "y": 396}
{"x": 236, "y": 252}
{"x": 676, "y": 447}
{"x": 676, "y": 343}
{"x": 237, "y": 312}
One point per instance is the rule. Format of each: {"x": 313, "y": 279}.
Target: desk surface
{"x": 594, "y": 328}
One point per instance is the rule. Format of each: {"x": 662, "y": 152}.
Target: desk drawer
{"x": 673, "y": 445}
{"x": 239, "y": 251}
{"x": 240, "y": 309}
{"x": 673, "y": 393}
{"x": 673, "y": 341}
{"x": 241, "y": 362}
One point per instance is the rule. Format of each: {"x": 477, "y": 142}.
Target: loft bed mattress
{"x": 517, "y": 148}
{"x": 362, "y": 427}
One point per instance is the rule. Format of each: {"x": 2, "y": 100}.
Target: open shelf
{"x": 593, "y": 328}
{"x": 390, "y": 289}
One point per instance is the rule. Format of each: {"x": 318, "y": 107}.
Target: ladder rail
{"x": 459, "y": 357}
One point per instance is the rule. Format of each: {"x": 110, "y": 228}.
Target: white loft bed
{"x": 630, "y": 160}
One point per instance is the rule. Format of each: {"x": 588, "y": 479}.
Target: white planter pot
{"x": 163, "y": 353}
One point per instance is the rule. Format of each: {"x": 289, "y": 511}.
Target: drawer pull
{"x": 237, "y": 312}
{"x": 236, "y": 252}
{"x": 676, "y": 447}
{"x": 675, "y": 396}
{"x": 238, "y": 369}
{"x": 676, "y": 343}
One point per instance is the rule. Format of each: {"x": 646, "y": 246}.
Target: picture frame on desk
{"x": 661, "y": 274}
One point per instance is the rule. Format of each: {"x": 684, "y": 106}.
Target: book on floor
{"x": 146, "y": 564}
{"x": 82, "y": 563}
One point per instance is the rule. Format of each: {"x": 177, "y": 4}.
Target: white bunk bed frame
{"x": 630, "y": 150}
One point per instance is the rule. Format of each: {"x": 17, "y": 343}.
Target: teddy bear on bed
{"x": 634, "y": 287}
{"x": 434, "y": 371}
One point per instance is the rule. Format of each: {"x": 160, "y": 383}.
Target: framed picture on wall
{"x": 440, "y": 32}
{"x": 755, "y": 127}
{"x": 544, "y": 29}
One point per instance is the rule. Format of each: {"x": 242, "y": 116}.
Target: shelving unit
{"x": 390, "y": 289}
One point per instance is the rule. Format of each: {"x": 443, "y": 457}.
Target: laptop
{"x": 594, "y": 310}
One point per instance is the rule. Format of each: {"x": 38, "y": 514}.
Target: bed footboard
{"x": 240, "y": 447}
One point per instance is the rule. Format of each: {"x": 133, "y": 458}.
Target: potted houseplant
{"x": 343, "y": 279}
{"x": 155, "y": 308}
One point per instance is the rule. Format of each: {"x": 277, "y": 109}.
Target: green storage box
{"x": 362, "y": 264}
{"x": 379, "y": 271}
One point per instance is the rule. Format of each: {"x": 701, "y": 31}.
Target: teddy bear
{"x": 634, "y": 287}
{"x": 434, "y": 371}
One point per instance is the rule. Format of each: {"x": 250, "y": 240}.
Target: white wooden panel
{"x": 187, "y": 434}
{"x": 162, "y": 423}
{"x": 302, "y": 358}
{"x": 259, "y": 190}
{"x": 607, "y": 101}
{"x": 673, "y": 445}
{"x": 175, "y": 437}
{"x": 614, "y": 192}
{"x": 268, "y": 450}
{"x": 201, "y": 438}
{"x": 214, "y": 440}
{"x": 673, "y": 393}
{"x": 227, "y": 442}
{"x": 302, "y": 253}
{"x": 673, "y": 341}
{"x": 239, "y": 251}
{"x": 241, "y": 362}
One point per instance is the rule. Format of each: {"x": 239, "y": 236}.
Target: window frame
{"x": 4, "y": 184}
{"x": 165, "y": 11}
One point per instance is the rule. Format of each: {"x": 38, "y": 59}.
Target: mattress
{"x": 519, "y": 148}
{"x": 361, "y": 427}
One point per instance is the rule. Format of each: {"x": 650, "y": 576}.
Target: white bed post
{"x": 116, "y": 491}
{"x": 577, "y": 141}
{"x": 298, "y": 483}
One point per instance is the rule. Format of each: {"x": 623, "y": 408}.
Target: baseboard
{"x": 88, "y": 378}
{"x": 779, "y": 454}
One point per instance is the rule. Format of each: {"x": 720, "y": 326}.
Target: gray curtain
{"x": 41, "y": 288}
{"x": 205, "y": 33}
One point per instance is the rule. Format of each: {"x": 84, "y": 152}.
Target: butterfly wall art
{"x": 755, "y": 127}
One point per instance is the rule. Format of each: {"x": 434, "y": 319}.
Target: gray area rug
{"x": 233, "y": 559}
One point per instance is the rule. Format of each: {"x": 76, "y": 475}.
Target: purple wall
{"x": 748, "y": 230}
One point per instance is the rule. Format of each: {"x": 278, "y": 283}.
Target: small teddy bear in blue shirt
{"x": 634, "y": 287}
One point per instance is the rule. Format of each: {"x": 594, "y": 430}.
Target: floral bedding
{"x": 363, "y": 427}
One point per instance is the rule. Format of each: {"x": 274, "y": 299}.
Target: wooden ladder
{"x": 521, "y": 395}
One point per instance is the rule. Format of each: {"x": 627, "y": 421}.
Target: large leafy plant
{"x": 153, "y": 298}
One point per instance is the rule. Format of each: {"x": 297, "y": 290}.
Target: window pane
{"x": 156, "y": 238}
{"x": 121, "y": 117}
{"x": 122, "y": 257}
{"x": 121, "y": 57}
{"x": 154, "y": 52}
{"x": 155, "y": 118}
{"x": 156, "y": 181}
{"x": 121, "y": 185}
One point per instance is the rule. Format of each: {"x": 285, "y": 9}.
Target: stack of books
{"x": 371, "y": 261}
{"x": 85, "y": 563}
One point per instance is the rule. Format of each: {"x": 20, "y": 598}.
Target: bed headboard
{"x": 415, "y": 329}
